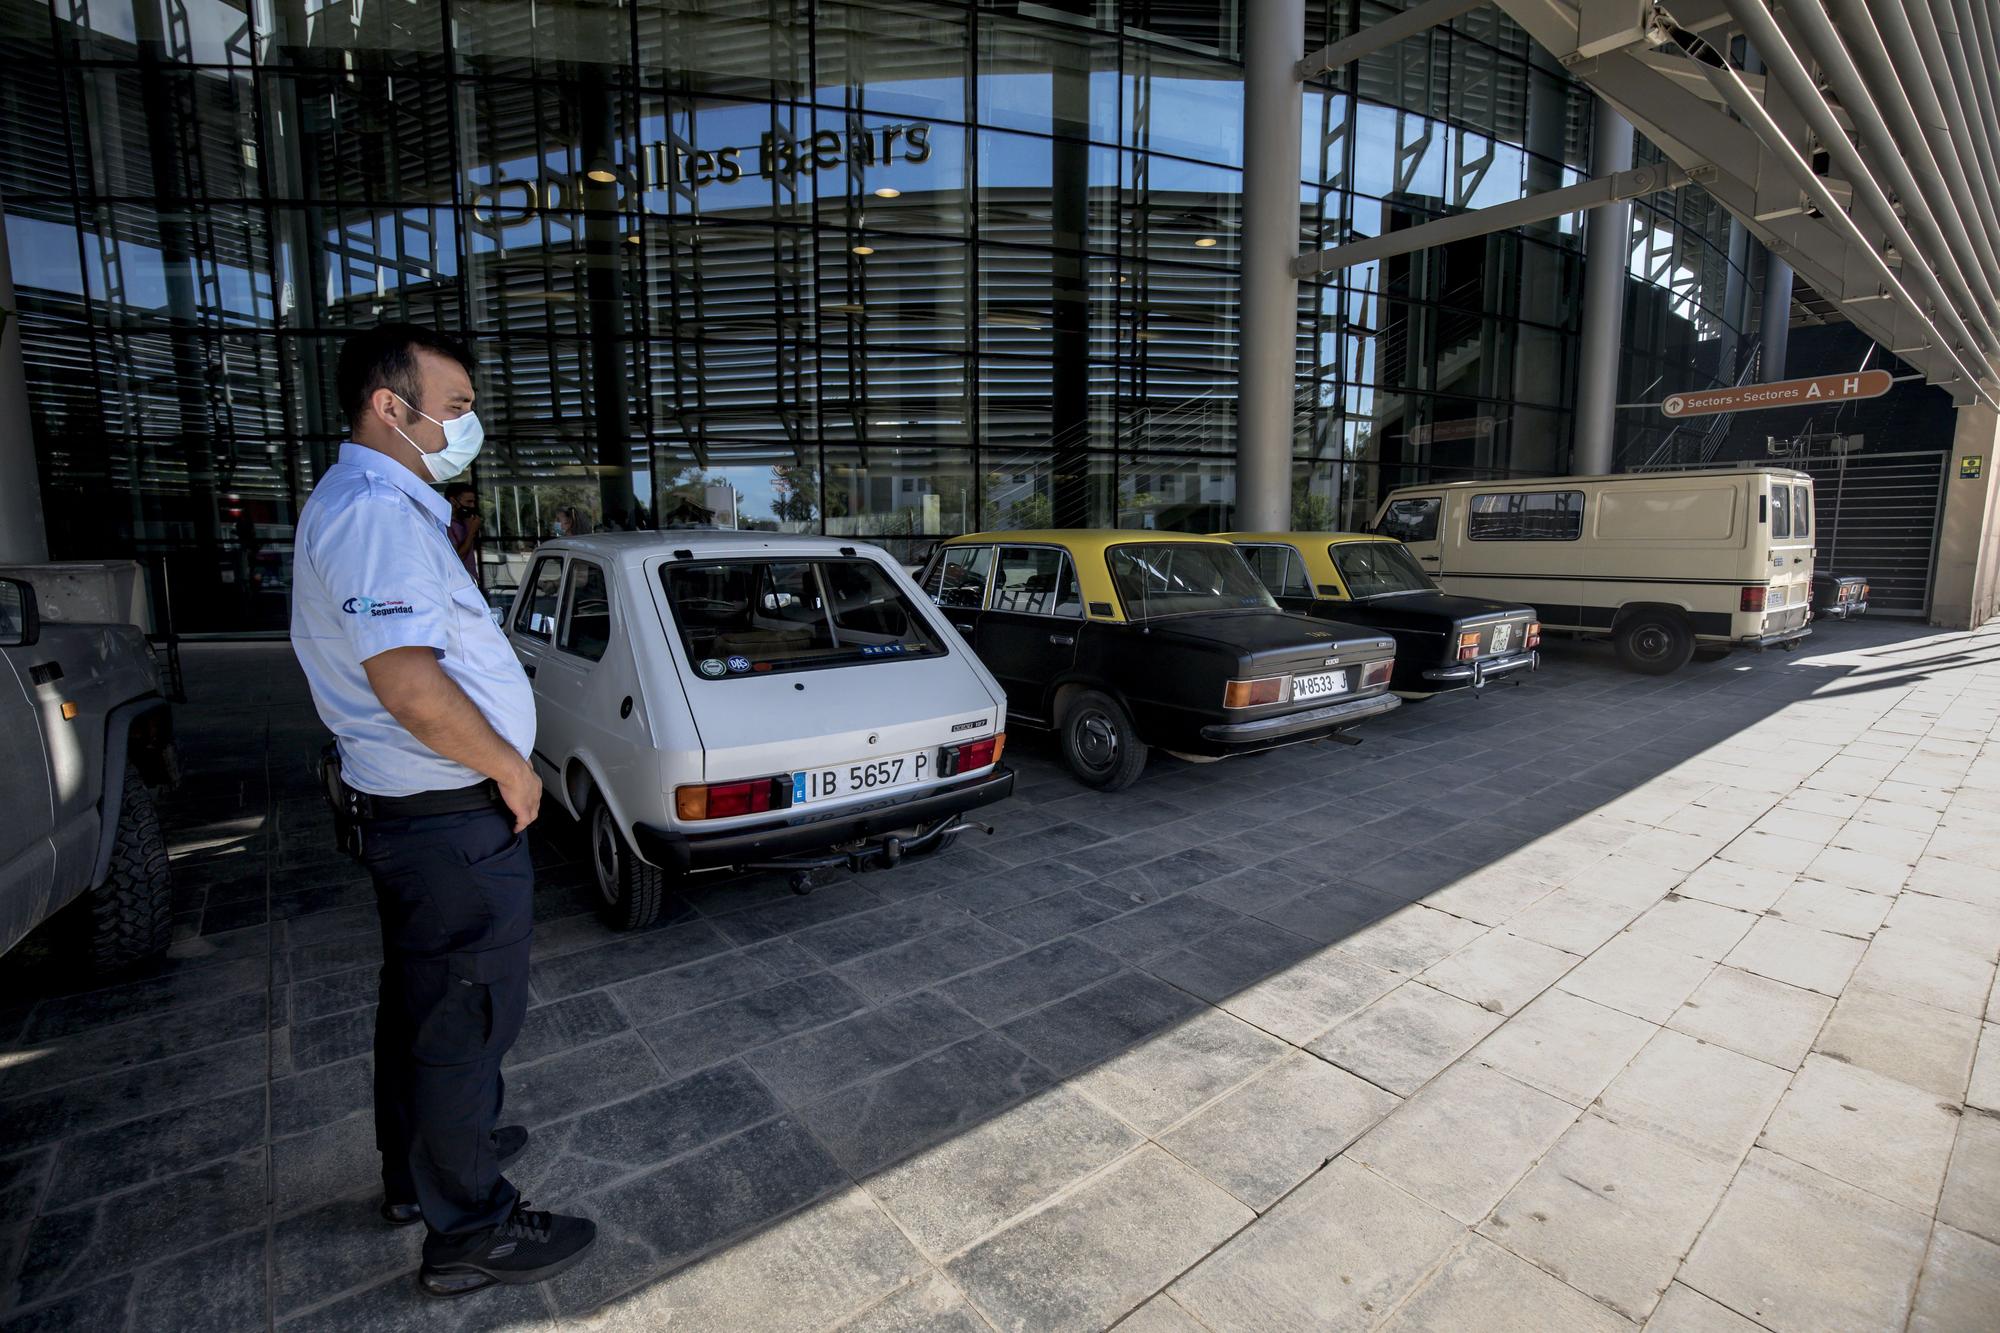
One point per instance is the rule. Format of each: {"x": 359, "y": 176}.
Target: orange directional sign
{"x": 1779, "y": 393}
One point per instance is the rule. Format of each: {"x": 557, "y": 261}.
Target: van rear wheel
{"x": 1099, "y": 743}
{"x": 630, "y": 893}
{"x": 1654, "y": 643}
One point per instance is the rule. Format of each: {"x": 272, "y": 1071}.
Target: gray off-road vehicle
{"x": 85, "y": 737}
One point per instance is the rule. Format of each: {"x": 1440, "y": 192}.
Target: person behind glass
{"x": 465, "y": 526}
{"x": 433, "y": 721}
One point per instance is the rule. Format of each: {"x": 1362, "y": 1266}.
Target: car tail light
{"x": 1753, "y": 598}
{"x": 1378, "y": 672}
{"x": 1533, "y": 638}
{"x": 721, "y": 800}
{"x": 956, "y": 759}
{"x": 1250, "y": 693}
{"x": 1468, "y": 645}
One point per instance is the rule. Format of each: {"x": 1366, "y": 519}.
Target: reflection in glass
{"x": 893, "y": 269}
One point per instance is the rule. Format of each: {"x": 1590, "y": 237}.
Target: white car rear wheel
{"x": 630, "y": 893}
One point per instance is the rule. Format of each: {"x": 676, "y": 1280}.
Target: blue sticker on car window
{"x": 739, "y": 664}
{"x": 712, "y": 667}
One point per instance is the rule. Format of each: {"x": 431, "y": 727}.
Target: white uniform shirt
{"x": 374, "y": 569}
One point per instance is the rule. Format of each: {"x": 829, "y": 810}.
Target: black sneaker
{"x": 528, "y": 1247}
{"x": 508, "y": 1141}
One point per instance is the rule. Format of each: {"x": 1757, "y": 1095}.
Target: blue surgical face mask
{"x": 462, "y": 438}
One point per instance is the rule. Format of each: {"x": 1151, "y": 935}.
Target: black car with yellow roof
{"x": 1443, "y": 642}
{"x": 1123, "y": 641}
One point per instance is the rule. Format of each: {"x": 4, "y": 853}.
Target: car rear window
{"x": 1378, "y": 569}
{"x": 1175, "y": 578}
{"x": 751, "y": 617}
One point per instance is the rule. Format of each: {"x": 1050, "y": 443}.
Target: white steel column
{"x": 1607, "y": 243}
{"x": 1274, "y": 42}
{"x": 23, "y": 539}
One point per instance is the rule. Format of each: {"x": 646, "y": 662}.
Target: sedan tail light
{"x": 1378, "y": 672}
{"x": 1468, "y": 645}
{"x": 1533, "y": 638}
{"x": 1753, "y": 598}
{"x": 956, "y": 759}
{"x": 1250, "y": 693}
{"x": 721, "y": 800}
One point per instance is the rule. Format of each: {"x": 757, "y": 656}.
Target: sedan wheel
{"x": 1099, "y": 742}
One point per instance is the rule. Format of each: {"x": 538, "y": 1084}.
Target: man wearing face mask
{"x": 433, "y": 722}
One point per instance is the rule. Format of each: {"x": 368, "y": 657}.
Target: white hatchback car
{"x": 710, "y": 700}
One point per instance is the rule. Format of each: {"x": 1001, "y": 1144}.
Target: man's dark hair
{"x": 458, "y": 488}
{"x": 385, "y": 357}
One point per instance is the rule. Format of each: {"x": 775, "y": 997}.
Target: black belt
{"x": 364, "y": 805}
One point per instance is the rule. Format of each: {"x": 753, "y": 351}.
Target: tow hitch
{"x": 882, "y": 854}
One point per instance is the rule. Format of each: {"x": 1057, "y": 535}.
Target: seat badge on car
{"x": 713, "y": 667}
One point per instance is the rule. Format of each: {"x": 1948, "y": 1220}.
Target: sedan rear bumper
{"x": 1267, "y": 731}
{"x": 803, "y": 834}
{"x": 1480, "y": 670}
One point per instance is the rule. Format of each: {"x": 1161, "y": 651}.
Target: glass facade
{"x": 887, "y": 268}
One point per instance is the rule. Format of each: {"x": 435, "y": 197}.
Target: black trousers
{"x": 456, "y": 895}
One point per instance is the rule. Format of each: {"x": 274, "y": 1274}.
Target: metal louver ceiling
{"x": 1858, "y": 139}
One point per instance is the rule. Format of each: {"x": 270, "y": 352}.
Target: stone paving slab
{"x": 1597, "y": 1001}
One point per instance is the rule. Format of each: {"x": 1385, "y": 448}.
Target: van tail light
{"x": 1468, "y": 645}
{"x": 1533, "y": 638}
{"x": 956, "y": 759}
{"x": 1753, "y": 598}
{"x": 1378, "y": 672}
{"x": 1250, "y": 693}
{"x": 1864, "y": 592}
{"x": 721, "y": 800}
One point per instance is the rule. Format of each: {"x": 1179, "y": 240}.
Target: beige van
{"x": 1662, "y": 562}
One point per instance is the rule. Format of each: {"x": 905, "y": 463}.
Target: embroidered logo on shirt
{"x": 368, "y": 606}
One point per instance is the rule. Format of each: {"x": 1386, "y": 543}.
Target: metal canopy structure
{"x": 1858, "y": 139}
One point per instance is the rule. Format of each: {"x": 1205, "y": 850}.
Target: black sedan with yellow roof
{"x": 1443, "y": 642}
{"x": 1121, "y": 641}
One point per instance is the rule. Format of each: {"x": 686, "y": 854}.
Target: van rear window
{"x": 1801, "y": 511}
{"x": 753, "y": 617}
{"x": 1526, "y": 516}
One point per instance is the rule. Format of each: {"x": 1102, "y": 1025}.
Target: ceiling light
{"x": 887, "y": 192}
{"x": 864, "y": 249}
{"x": 603, "y": 175}
{"x": 1204, "y": 242}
